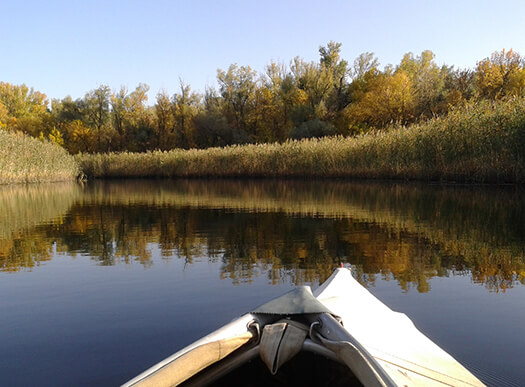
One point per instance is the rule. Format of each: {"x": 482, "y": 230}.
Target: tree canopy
{"x": 297, "y": 100}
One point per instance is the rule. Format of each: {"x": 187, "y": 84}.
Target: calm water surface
{"x": 100, "y": 282}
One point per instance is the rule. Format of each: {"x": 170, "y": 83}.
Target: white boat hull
{"x": 380, "y": 346}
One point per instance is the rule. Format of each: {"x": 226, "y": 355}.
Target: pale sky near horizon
{"x": 70, "y": 47}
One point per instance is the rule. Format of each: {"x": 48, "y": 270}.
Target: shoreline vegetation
{"x": 481, "y": 143}
{"x": 477, "y": 143}
{"x": 24, "y": 159}
{"x": 416, "y": 120}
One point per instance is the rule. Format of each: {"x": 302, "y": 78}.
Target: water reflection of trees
{"x": 294, "y": 230}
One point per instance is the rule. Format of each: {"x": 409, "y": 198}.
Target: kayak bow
{"x": 338, "y": 335}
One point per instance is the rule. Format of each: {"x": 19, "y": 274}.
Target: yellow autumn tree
{"x": 389, "y": 99}
{"x": 79, "y": 137}
{"x": 4, "y": 116}
{"x": 56, "y": 137}
{"x": 501, "y": 75}
{"x": 266, "y": 115}
{"x": 23, "y": 108}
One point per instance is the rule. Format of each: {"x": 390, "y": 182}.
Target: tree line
{"x": 299, "y": 100}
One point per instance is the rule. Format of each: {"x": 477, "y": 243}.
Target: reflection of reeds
{"x": 24, "y": 159}
{"x": 23, "y": 208}
{"x": 481, "y": 143}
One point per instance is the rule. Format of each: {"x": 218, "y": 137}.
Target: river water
{"x": 99, "y": 282}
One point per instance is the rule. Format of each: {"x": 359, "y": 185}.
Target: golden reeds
{"x": 24, "y": 159}
{"x": 477, "y": 143}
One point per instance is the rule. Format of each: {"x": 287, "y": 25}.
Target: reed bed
{"x": 477, "y": 143}
{"x": 24, "y": 159}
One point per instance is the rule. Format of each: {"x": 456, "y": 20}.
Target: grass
{"x": 478, "y": 143}
{"x": 24, "y": 159}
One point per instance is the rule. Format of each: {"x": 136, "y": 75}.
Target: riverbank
{"x": 483, "y": 143}
{"x": 25, "y": 159}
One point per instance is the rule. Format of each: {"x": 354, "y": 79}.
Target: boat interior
{"x": 305, "y": 369}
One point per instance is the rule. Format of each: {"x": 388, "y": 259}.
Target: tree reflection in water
{"x": 291, "y": 230}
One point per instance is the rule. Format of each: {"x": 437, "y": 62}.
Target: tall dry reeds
{"x": 484, "y": 142}
{"x": 24, "y": 159}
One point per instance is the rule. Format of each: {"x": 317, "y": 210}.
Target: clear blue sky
{"x": 70, "y": 47}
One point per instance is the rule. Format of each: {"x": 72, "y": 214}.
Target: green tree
{"x": 97, "y": 113}
{"x": 211, "y": 125}
{"x": 313, "y": 128}
{"x": 317, "y": 83}
{"x": 292, "y": 100}
{"x": 460, "y": 87}
{"x": 69, "y": 118}
{"x": 164, "y": 121}
{"x": 212, "y": 129}
{"x": 270, "y": 110}
{"x": 237, "y": 87}
{"x": 330, "y": 60}
{"x": 139, "y": 120}
{"x": 363, "y": 64}
{"x": 67, "y": 109}
{"x": 428, "y": 81}
{"x": 119, "y": 110}
{"x": 185, "y": 107}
